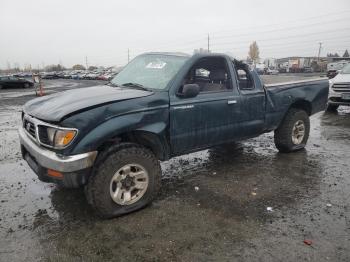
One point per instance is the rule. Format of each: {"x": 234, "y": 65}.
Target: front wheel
{"x": 126, "y": 178}
{"x": 293, "y": 133}
{"x": 26, "y": 85}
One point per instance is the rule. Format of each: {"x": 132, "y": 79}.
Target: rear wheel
{"x": 293, "y": 133}
{"x": 26, "y": 85}
{"x": 331, "y": 108}
{"x": 126, "y": 178}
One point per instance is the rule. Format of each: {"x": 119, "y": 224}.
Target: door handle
{"x": 230, "y": 102}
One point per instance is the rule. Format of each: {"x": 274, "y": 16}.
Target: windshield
{"x": 150, "y": 71}
{"x": 346, "y": 69}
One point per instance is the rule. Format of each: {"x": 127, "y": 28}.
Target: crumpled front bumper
{"x": 75, "y": 169}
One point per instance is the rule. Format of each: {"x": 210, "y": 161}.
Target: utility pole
{"x": 319, "y": 51}
{"x": 128, "y": 55}
{"x": 208, "y": 44}
{"x": 86, "y": 62}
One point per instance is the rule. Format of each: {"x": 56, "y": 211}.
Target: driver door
{"x": 210, "y": 118}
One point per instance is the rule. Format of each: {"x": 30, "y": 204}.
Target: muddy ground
{"x": 227, "y": 219}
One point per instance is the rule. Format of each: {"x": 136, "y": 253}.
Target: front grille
{"x": 29, "y": 127}
{"x": 341, "y": 87}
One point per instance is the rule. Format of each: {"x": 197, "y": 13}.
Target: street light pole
{"x": 319, "y": 51}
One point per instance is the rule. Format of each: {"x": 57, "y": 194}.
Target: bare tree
{"x": 254, "y": 52}
{"x": 78, "y": 67}
{"x": 50, "y": 68}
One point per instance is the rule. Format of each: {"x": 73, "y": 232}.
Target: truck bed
{"x": 311, "y": 93}
{"x": 297, "y": 82}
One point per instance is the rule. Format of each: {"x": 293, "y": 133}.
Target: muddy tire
{"x": 293, "y": 132}
{"x": 126, "y": 177}
{"x": 331, "y": 108}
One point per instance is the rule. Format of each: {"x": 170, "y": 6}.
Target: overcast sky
{"x": 42, "y": 32}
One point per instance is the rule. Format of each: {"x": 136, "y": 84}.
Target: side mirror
{"x": 190, "y": 90}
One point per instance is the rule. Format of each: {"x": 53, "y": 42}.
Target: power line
{"x": 305, "y": 42}
{"x": 165, "y": 45}
{"x": 281, "y": 29}
{"x": 287, "y": 22}
{"x": 197, "y": 44}
{"x": 291, "y": 36}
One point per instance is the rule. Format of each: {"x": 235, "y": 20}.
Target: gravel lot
{"x": 253, "y": 203}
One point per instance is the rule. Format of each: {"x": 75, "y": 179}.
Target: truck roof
{"x": 167, "y": 53}
{"x": 187, "y": 55}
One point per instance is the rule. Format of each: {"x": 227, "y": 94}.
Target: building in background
{"x": 270, "y": 63}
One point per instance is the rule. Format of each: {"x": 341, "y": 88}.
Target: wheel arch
{"x": 303, "y": 105}
{"x": 148, "y": 129}
{"x": 156, "y": 142}
{"x": 300, "y": 104}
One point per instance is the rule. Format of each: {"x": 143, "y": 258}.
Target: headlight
{"x": 56, "y": 137}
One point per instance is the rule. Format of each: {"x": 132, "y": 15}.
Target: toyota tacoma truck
{"x": 339, "y": 89}
{"x": 111, "y": 138}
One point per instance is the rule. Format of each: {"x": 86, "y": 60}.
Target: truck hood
{"x": 341, "y": 78}
{"x": 53, "y": 108}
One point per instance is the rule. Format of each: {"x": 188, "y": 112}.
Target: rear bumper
{"x": 75, "y": 169}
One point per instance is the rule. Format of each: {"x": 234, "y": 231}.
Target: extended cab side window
{"x": 245, "y": 80}
{"x": 210, "y": 74}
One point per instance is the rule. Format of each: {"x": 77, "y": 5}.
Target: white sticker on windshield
{"x": 156, "y": 65}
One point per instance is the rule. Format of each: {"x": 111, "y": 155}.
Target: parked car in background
{"x": 74, "y": 76}
{"x": 282, "y": 70}
{"x": 333, "y": 68}
{"x": 308, "y": 69}
{"x": 332, "y": 73}
{"x": 106, "y": 76}
{"x": 13, "y": 81}
{"x": 83, "y": 75}
{"x": 102, "y": 77}
{"x": 270, "y": 71}
{"x": 339, "y": 89}
{"x": 49, "y": 75}
{"x": 78, "y": 75}
{"x": 60, "y": 74}
{"x": 23, "y": 74}
{"x": 91, "y": 75}
{"x": 67, "y": 75}
{"x": 260, "y": 68}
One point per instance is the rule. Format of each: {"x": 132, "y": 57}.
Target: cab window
{"x": 211, "y": 74}
{"x": 245, "y": 79}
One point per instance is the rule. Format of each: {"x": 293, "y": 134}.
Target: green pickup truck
{"x": 111, "y": 138}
